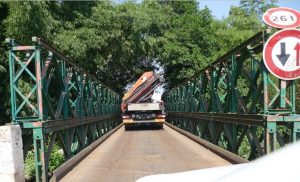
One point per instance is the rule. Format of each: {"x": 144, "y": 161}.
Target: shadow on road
{"x": 143, "y": 128}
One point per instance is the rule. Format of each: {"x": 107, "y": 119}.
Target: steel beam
{"x": 239, "y": 104}
{"x": 57, "y": 101}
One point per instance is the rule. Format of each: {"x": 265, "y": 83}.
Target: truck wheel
{"x": 126, "y": 127}
{"x": 159, "y": 126}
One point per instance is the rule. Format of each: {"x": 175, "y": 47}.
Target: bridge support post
{"x": 11, "y": 154}
{"x": 41, "y": 168}
{"x": 296, "y": 131}
{"x": 270, "y": 137}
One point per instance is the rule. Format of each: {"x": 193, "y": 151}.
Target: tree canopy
{"x": 118, "y": 42}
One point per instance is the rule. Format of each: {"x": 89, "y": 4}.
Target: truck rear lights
{"x": 126, "y": 117}
{"x": 133, "y": 116}
{"x": 161, "y": 116}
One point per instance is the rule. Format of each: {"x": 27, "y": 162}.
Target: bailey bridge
{"x": 233, "y": 111}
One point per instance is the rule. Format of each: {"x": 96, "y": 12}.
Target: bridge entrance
{"x": 234, "y": 103}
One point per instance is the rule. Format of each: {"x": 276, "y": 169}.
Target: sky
{"x": 220, "y": 8}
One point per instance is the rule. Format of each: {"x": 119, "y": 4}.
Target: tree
{"x": 4, "y": 90}
{"x": 28, "y": 19}
{"x": 120, "y": 40}
{"x": 188, "y": 43}
{"x": 257, "y": 7}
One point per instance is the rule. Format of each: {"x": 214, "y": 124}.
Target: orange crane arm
{"x": 146, "y": 76}
{"x": 142, "y": 90}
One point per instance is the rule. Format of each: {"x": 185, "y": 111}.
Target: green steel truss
{"x": 237, "y": 104}
{"x": 53, "y": 99}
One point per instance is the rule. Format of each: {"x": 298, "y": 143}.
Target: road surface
{"x": 129, "y": 155}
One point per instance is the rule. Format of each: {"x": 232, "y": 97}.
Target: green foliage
{"x": 29, "y": 164}
{"x": 120, "y": 41}
{"x": 28, "y": 19}
{"x": 4, "y": 90}
{"x": 187, "y": 46}
{"x": 56, "y": 159}
{"x": 257, "y": 7}
{"x": 244, "y": 149}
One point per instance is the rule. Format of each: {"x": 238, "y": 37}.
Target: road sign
{"x": 281, "y": 54}
{"x": 282, "y": 18}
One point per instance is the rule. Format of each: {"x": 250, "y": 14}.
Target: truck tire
{"x": 159, "y": 126}
{"x": 126, "y": 127}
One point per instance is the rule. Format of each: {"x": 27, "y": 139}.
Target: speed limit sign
{"x": 282, "y": 18}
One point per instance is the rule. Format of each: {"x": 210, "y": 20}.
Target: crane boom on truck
{"x": 137, "y": 105}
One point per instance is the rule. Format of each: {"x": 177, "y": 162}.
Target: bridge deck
{"x": 129, "y": 155}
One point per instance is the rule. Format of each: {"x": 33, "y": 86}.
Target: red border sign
{"x": 269, "y": 51}
{"x": 282, "y": 18}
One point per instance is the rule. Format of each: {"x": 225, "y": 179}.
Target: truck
{"x": 138, "y": 107}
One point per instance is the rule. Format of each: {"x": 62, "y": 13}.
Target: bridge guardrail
{"x": 236, "y": 103}
{"x": 54, "y": 100}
